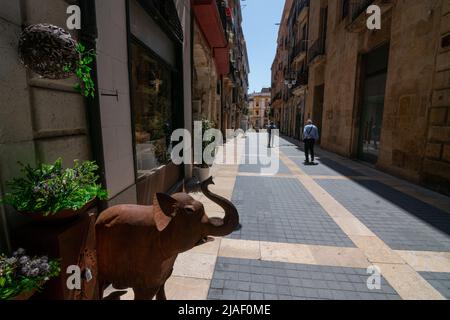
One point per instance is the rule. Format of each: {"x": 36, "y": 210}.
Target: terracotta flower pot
{"x": 62, "y": 216}
{"x": 24, "y": 295}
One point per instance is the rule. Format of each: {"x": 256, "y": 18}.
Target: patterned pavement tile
{"x": 403, "y": 222}
{"x": 326, "y": 167}
{"x": 236, "y": 279}
{"x": 440, "y": 281}
{"x": 255, "y": 160}
{"x": 282, "y": 210}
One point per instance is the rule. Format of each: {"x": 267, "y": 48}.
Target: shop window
{"x": 151, "y": 92}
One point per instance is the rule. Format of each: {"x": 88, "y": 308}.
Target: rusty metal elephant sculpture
{"x": 137, "y": 245}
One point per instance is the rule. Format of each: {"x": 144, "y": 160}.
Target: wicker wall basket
{"x": 46, "y": 49}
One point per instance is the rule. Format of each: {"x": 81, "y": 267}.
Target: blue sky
{"x": 260, "y": 17}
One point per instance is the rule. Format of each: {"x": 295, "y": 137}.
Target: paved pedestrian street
{"x": 315, "y": 232}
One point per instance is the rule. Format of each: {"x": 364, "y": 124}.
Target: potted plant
{"x": 21, "y": 276}
{"x": 50, "y": 192}
{"x": 202, "y": 171}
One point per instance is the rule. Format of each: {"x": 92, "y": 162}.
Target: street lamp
{"x": 290, "y": 82}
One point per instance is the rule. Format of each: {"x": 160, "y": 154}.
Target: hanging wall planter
{"x": 47, "y": 50}
{"x": 51, "y": 52}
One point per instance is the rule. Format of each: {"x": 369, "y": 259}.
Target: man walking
{"x": 310, "y": 136}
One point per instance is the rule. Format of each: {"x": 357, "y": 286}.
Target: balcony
{"x": 211, "y": 17}
{"x": 355, "y": 11}
{"x": 299, "y": 13}
{"x": 302, "y": 12}
{"x": 210, "y": 22}
{"x": 302, "y": 82}
{"x": 316, "y": 50}
{"x": 277, "y": 96}
{"x": 223, "y": 11}
{"x": 298, "y": 53}
{"x": 358, "y": 7}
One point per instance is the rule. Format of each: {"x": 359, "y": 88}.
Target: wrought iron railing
{"x": 277, "y": 96}
{"x": 302, "y": 79}
{"x": 222, "y": 6}
{"x": 298, "y": 6}
{"x": 317, "y": 49}
{"x": 298, "y": 49}
{"x": 359, "y": 6}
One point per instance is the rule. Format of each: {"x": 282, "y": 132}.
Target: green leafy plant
{"x": 208, "y": 139}
{"x": 50, "y": 188}
{"x": 83, "y": 71}
{"x": 21, "y": 274}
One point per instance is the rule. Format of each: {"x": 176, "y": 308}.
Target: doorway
{"x": 375, "y": 65}
{"x": 318, "y": 108}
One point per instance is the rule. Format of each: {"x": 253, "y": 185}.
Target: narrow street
{"x": 312, "y": 232}
{"x": 164, "y": 150}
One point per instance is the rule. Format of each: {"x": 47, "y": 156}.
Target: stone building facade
{"x": 220, "y": 63}
{"x": 297, "y": 73}
{"x": 235, "y": 84}
{"x": 382, "y": 96}
{"x": 258, "y": 110}
{"x": 280, "y": 70}
{"x": 290, "y": 68}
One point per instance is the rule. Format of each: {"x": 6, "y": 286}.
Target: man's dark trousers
{"x": 309, "y": 149}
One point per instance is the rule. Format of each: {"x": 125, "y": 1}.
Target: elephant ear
{"x": 164, "y": 207}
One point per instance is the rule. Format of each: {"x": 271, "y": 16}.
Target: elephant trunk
{"x": 225, "y": 226}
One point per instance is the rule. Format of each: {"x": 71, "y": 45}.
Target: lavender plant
{"x": 50, "y": 188}
{"x": 21, "y": 274}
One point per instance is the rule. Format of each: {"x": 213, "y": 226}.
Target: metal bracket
{"x": 111, "y": 94}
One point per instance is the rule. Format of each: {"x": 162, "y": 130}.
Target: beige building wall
{"x": 259, "y": 104}
{"x": 279, "y": 67}
{"x": 40, "y": 120}
{"x": 415, "y": 124}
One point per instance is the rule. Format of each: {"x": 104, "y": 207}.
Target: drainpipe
{"x": 88, "y": 36}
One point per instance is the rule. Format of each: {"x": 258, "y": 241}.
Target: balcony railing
{"x": 298, "y": 49}
{"x": 299, "y": 6}
{"x": 302, "y": 79}
{"x": 277, "y": 96}
{"x": 222, "y": 6}
{"x": 317, "y": 49}
{"x": 359, "y": 6}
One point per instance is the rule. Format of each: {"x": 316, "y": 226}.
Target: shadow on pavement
{"x": 427, "y": 213}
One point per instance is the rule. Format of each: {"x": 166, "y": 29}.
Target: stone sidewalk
{"x": 311, "y": 232}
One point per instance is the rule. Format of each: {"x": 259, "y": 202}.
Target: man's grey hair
{"x": 309, "y": 121}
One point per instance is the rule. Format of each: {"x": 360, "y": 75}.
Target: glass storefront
{"x": 376, "y": 63}
{"x": 152, "y": 109}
